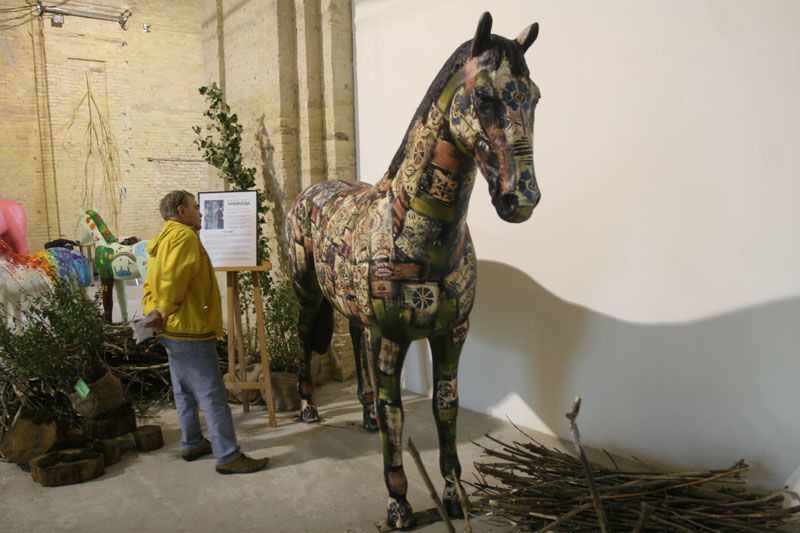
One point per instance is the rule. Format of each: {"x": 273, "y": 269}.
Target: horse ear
{"x": 528, "y": 35}
{"x": 483, "y": 36}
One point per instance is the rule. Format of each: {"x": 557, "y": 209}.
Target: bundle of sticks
{"x": 535, "y": 488}
{"x": 143, "y": 368}
{"x": 32, "y": 397}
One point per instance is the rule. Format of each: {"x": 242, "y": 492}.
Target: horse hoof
{"x": 399, "y": 514}
{"x": 451, "y": 502}
{"x": 308, "y": 413}
{"x": 370, "y": 424}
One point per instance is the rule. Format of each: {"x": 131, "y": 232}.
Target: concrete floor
{"x": 322, "y": 477}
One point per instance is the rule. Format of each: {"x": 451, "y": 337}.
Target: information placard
{"x": 229, "y": 227}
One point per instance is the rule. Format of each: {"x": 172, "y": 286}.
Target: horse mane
{"x": 101, "y": 226}
{"x": 501, "y": 48}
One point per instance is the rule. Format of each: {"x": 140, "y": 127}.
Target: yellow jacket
{"x": 181, "y": 283}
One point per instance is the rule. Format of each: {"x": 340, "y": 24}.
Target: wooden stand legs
{"x": 237, "y": 370}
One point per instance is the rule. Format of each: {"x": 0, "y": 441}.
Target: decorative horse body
{"x": 114, "y": 262}
{"x": 397, "y": 258}
{"x": 13, "y": 225}
{"x": 25, "y": 276}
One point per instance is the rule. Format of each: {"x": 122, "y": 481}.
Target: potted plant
{"x": 58, "y": 342}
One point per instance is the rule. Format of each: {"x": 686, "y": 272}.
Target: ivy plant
{"x": 220, "y": 142}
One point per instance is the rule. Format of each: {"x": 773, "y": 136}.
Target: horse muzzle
{"x": 514, "y": 207}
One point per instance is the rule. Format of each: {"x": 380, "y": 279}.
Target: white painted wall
{"x": 659, "y": 277}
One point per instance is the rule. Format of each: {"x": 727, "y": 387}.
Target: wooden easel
{"x": 237, "y": 375}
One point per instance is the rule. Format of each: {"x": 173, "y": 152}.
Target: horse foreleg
{"x": 366, "y": 389}
{"x": 106, "y": 286}
{"x": 6, "y": 310}
{"x": 446, "y": 351}
{"x": 387, "y": 361}
{"x": 122, "y": 299}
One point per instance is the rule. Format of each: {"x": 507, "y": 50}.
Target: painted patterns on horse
{"x": 26, "y": 276}
{"x": 397, "y": 258}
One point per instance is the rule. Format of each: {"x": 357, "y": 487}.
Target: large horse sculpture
{"x": 397, "y": 258}
{"x": 25, "y": 276}
{"x": 114, "y": 262}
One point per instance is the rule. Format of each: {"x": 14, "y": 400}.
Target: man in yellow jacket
{"x": 182, "y": 288}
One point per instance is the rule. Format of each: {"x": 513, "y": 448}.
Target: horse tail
{"x": 322, "y": 328}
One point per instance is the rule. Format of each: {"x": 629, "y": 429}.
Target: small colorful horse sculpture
{"x": 13, "y": 226}
{"x": 114, "y": 262}
{"x": 26, "y": 276}
{"x": 397, "y": 258}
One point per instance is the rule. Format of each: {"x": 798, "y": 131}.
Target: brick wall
{"x": 144, "y": 87}
{"x": 286, "y": 68}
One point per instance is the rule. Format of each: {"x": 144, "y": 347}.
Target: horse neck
{"x": 98, "y": 238}
{"x": 434, "y": 179}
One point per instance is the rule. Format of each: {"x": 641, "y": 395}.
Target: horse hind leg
{"x": 106, "y": 288}
{"x": 366, "y": 387}
{"x": 315, "y": 329}
{"x": 122, "y": 299}
{"x": 387, "y": 361}
{"x": 446, "y": 351}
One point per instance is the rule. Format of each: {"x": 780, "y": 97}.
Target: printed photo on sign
{"x": 229, "y": 226}
{"x": 213, "y": 214}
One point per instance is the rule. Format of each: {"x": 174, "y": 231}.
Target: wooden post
{"x": 237, "y": 377}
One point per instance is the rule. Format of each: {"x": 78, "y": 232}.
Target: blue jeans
{"x": 197, "y": 381}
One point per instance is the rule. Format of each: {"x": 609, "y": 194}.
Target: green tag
{"x": 82, "y": 388}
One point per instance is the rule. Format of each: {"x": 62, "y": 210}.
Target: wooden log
{"x": 122, "y": 421}
{"x": 105, "y": 397}
{"x": 110, "y": 448}
{"x": 67, "y": 467}
{"x": 74, "y": 439}
{"x": 148, "y": 438}
{"x": 27, "y": 439}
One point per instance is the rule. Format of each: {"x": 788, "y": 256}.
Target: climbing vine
{"x": 220, "y": 142}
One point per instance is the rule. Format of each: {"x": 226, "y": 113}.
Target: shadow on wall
{"x": 691, "y": 395}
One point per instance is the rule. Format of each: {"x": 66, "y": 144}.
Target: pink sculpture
{"x": 13, "y": 225}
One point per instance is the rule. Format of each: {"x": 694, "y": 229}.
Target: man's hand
{"x": 159, "y": 322}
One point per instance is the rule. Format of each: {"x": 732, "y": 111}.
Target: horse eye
{"x": 483, "y": 98}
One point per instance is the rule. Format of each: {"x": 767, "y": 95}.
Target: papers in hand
{"x": 141, "y": 327}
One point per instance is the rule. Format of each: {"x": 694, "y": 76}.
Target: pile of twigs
{"x": 535, "y": 488}
{"x": 34, "y": 396}
{"x": 143, "y": 368}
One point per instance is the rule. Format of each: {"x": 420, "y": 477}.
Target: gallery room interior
{"x": 648, "y": 265}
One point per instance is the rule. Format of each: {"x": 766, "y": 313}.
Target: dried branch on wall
{"x": 100, "y": 150}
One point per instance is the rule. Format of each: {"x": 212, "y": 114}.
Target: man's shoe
{"x": 197, "y": 452}
{"x": 243, "y": 465}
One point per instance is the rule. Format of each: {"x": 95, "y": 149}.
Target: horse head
{"x": 84, "y": 233}
{"x": 491, "y": 116}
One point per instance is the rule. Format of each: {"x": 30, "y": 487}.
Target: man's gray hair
{"x": 168, "y": 207}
